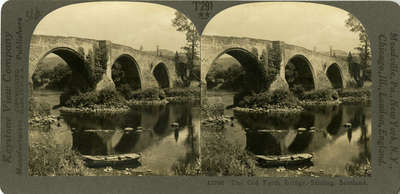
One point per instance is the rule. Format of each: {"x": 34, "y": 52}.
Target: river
{"x": 335, "y": 148}
{"x": 169, "y": 134}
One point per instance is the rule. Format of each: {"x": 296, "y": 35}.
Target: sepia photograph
{"x": 114, "y": 91}
{"x": 286, "y": 92}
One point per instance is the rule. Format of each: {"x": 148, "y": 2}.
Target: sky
{"x": 129, "y": 23}
{"x": 302, "y": 24}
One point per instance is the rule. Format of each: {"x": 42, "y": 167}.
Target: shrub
{"x": 48, "y": 159}
{"x": 37, "y": 108}
{"x": 109, "y": 97}
{"x": 321, "y": 95}
{"x": 298, "y": 91}
{"x": 277, "y": 97}
{"x": 219, "y": 157}
{"x": 148, "y": 94}
{"x": 212, "y": 110}
{"x": 352, "y": 92}
{"x": 182, "y": 92}
{"x": 125, "y": 90}
{"x": 284, "y": 97}
{"x": 179, "y": 84}
{"x": 82, "y": 100}
{"x": 106, "y": 97}
{"x": 59, "y": 77}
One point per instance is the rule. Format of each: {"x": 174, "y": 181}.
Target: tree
{"x": 183, "y": 24}
{"x": 354, "y": 68}
{"x": 365, "y": 46}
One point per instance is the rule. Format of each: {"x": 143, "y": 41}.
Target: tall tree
{"x": 354, "y": 69}
{"x": 365, "y": 46}
{"x": 183, "y": 24}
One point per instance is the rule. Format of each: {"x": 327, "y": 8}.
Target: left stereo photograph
{"x": 114, "y": 91}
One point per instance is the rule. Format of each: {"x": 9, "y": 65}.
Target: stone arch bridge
{"x": 316, "y": 70}
{"x": 146, "y": 69}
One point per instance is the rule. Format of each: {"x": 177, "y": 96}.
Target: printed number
{"x": 203, "y": 5}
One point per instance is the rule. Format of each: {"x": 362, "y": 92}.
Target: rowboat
{"x": 284, "y": 160}
{"x": 111, "y": 160}
{"x": 271, "y": 131}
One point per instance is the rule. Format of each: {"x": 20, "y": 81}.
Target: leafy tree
{"x": 271, "y": 61}
{"x": 100, "y": 63}
{"x": 81, "y": 52}
{"x": 183, "y": 24}
{"x": 350, "y": 58}
{"x": 354, "y": 69}
{"x": 365, "y": 50}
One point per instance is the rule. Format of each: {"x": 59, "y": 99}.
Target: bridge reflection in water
{"x": 334, "y": 146}
{"x": 161, "y": 141}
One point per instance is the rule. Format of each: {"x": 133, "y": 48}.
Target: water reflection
{"x": 167, "y": 131}
{"x": 325, "y": 129}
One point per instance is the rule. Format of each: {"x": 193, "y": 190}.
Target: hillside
{"x": 50, "y": 61}
{"x": 223, "y": 63}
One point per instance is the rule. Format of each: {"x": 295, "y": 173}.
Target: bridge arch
{"x": 161, "y": 73}
{"x": 126, "y": 73}
{"x": 335, "y": 76}
{"x": 251, "y": 65}
{"x": 299, "y": 71}
{"x": 75, "y": 60}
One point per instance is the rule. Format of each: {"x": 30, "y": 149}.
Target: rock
{"x": 128, "y": 129}
{"x": 175, "y": 124}
{"x": 139, "y": 128}
{"x": 302, "y": 129}
{"x": 313, "y": 128}
{"x": 108, "y": 169}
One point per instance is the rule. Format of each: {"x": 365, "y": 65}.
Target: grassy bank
{"x": 47, "y": 158}
{"x": 219, "y": 157}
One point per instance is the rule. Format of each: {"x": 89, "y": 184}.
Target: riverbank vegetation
{"x": 355, "y": 95}
{"x": 108, "y": 98}
{"x": 47, "y": 158}
{"x": 276, "y": 101}
{"x": 294, "y": 100}
{"x": 219, "y": 157}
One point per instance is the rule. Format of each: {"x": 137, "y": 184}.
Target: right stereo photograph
{"x": 286, "y": 92}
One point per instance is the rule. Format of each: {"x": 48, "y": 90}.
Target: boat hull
{"x": 111, "y": 160}
{"x": 284, "y": 160}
